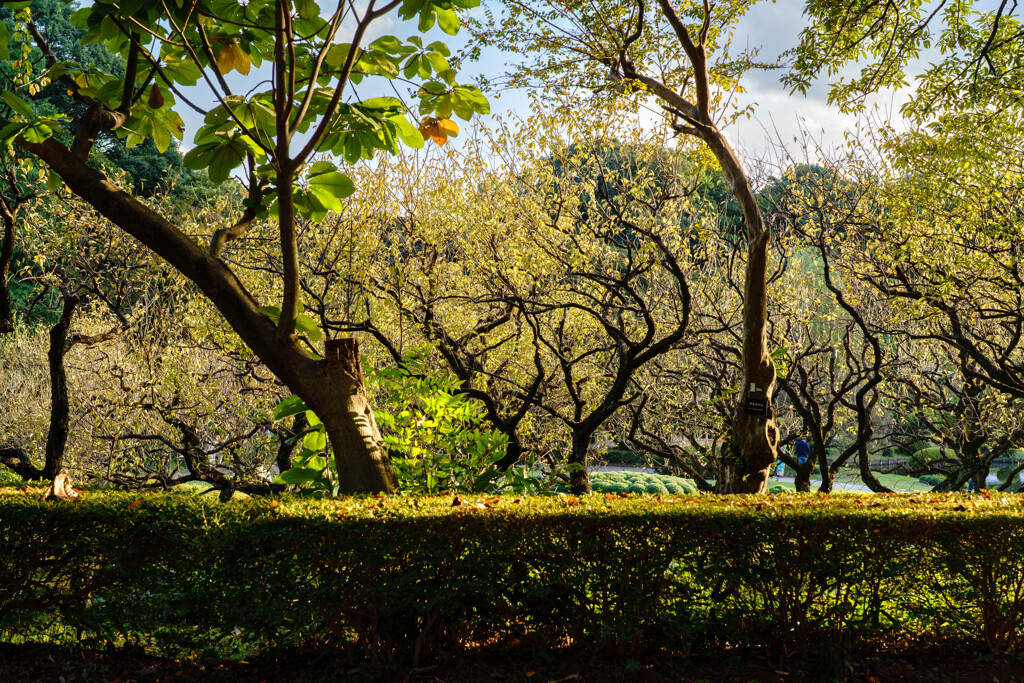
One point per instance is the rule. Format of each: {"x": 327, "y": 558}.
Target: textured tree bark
{"x": 755, "y": 436}
{"x": 579, "y": 479}
{"x": 57, "y": 436}
{"x": 343, "y": 406}
{"x": 17, "y": 460}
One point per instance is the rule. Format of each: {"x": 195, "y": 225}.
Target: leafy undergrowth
{"x": 877, "y": 662}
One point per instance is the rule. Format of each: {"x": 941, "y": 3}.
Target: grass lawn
{"x": 896, "y": 482}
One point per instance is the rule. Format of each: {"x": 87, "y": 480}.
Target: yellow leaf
{"x": 242, "y": 62}
{"x": 438, "y": 130}
{"x": 226, "y": 59}
{"x": 232, "y": 57}
{"x": 449, "y": 127}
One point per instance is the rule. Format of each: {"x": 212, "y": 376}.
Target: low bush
{"x": 640, "y": 482}
{"x": 927, "y": 455}
{"x": 404, "y": 579}
{"x": 932, "y": 479}
{"x": 1004, "y": 473}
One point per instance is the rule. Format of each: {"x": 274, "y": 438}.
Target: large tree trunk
{"x": 332, "y": 389}
{"x": 802, "y": 481}
{"x": 579, "y": 479}
{"x": 343, "y": 406}
{"x": 755, "y": 436}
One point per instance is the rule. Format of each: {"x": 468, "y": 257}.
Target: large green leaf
{"x": 308, "y": 326}
{"x": 181, "y": 71}
{"x": 37, "y": 132}
{"x": 448, "y": 21}
{"x": 407, "y": 132}
{"x": 19, "y": 105}
{"x": 334, "y": 184}
{"x": 297, "y": 475}
{"x": 315, "y": 440}
{"x": 289, "y": 406}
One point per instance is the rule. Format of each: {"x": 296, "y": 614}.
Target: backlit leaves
{"x": 438, "y": 130}
{"x": 232, "y": 57}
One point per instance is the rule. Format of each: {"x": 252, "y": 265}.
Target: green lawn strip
{"x": 896, "y": 482}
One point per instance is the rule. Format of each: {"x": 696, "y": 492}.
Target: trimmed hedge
{"x": 400, "y": 579}
{"x": 641, "y": 482}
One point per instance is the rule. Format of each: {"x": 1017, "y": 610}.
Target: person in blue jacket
{"x": 803, "y": 451}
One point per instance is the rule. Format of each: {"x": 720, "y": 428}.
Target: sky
{"x": 771, "y": 27}
{"x": 778, "y": 117}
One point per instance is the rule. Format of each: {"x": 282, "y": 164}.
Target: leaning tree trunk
{"x": 342, "y": 405}
{"x": 755, "y": 436}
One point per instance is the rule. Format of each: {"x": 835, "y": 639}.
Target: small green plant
{"x": 434, "y": 433}
{"x": 313, "y": 467}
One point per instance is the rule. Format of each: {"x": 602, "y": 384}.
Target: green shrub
{"x": 919, "y": 445}
{"x": 623, "y": 456}
{"x": 932, "y": 479}
{"x": 641, "y": 482}
{"x": 927, "y": 455}
{"x": 1004, "y": 473}
{"x": 400, "y": 578}
{"x": 193, "y": 487}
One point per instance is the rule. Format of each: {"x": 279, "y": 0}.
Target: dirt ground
{"x": 932, "y": 663}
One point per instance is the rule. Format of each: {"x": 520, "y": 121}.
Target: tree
{"x": 678, "y": 55}
{"x": 75, "y": 267}
{"x": 544, "y": 285}
{"x": 149, "y": 169}
{"x": 273, "y": 135}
